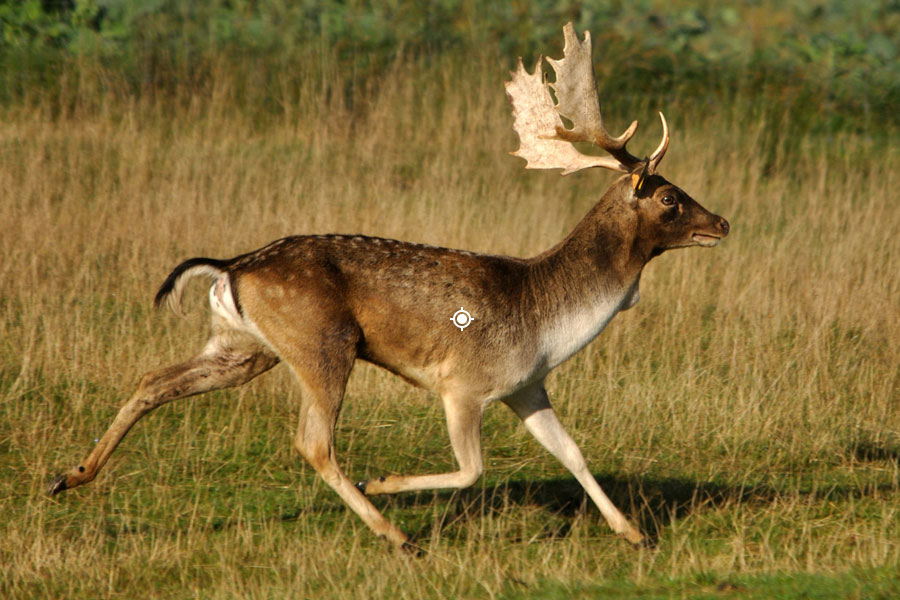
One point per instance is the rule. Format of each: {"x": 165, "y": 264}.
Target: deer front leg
{"x": 464, "y": 424}
{"x": 217, "y": 367}
{"x": 533, "y": 406}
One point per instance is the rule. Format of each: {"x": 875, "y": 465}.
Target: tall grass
{"x": 746, "y": 413}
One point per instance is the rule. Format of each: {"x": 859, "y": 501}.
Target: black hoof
{"x": 57, "y": 484}
{"x": 645, "y": 544}
{"x": 361, "y": 485}
{"x": 412, "y": 550}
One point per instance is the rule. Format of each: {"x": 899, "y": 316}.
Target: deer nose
{"x": 724, "y": 226}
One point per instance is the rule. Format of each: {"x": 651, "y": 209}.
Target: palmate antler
{"x": 546, "y": 143}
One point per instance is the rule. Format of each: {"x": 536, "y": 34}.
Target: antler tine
{"x": 577, "y": 100}
{"x": 536, "y": 121}
{"x": 546, "y": 143}
{"x": 660, "y": 151}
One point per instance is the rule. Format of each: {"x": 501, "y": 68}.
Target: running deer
{"x": 474, "y": 328}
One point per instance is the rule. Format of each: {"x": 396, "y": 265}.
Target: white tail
{"x": 173, "y": 287}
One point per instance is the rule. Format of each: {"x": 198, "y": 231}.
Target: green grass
{"x": 745, "y": 414}
{"x": 868, "y": 584}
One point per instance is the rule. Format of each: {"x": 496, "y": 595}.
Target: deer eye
{"x": 668, "y": 200}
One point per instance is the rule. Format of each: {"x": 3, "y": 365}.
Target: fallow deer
{"x": 319, "y": 303}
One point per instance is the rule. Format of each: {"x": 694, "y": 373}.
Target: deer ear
{"x": 637, "y": 179}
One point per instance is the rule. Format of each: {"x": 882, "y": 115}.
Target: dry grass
{"x": 746, "y": 412}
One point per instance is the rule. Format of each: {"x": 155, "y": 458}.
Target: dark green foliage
{"x": 832, "y": 64}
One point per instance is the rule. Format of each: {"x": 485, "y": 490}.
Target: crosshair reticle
{"x": 462, "y": 318}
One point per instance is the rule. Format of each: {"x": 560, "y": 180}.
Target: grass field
{"x": 746, "y": 413}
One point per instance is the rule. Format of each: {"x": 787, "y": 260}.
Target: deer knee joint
{"x": 470, "y": 476}
{"x": 145, "y": 381}
{"x": 316, "y": 453}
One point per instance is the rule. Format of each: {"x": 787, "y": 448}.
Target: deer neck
{"x": 581, "y": 283}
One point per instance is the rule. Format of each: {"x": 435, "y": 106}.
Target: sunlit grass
{"x": 745, "y": 413}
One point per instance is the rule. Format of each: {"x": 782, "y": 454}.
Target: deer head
{"x": 663, "y": 215}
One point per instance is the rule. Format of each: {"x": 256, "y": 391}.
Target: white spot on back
{"x": 274, "y": 291}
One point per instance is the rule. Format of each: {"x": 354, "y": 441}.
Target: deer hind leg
{"x": 533, "y": 406}
{"x": 229, "y": 359}
{"x": 323, "y": 375}
{"x": 464, "y": 425}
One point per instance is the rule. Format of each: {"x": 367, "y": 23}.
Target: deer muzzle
{"x": 714, "y": 234}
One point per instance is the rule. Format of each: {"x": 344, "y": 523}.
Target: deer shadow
{"x": 651, "y": 503}
{"x": 867, "y": 451}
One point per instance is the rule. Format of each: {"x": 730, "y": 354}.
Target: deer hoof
{"x": 361, "y": 485}
{"x": 647, "y": 544}
{"x": 57, "y": 484}
{"x": 412, "y": 550}
{"x": 644, "y": 544}
{"x": 637, "y": 540}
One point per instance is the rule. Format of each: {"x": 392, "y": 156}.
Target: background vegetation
{"x": 745, "y": 413}
{"x": 826, "y": 61}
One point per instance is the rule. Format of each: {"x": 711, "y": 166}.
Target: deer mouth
{"x": 706, "y": 240}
